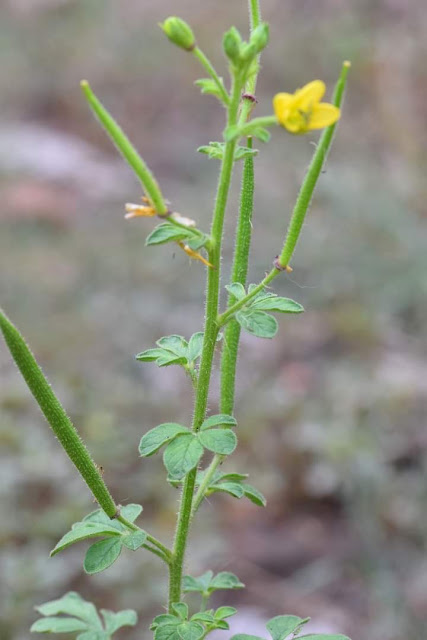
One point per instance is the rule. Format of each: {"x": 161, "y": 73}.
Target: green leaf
{"x": 261, "y": 133}
{"x": 180, "y": 631}
{"x": 83, "y": 532}
{"x": 236, "y": 289}
{"x": 58, "y": 625}
{"x": 204, "y": 616}
{"x": 102, "y": 555}
{"x": 225, "y": 612}
{"x": 219, "y": 419}
{"x": 245, "y": 636}
{"x": 225, "y": 580}
{"x": 114, "y": 621}
{"x": 244, "y": 152}
{"x": 230, "y": 477}
{"x": 169, "y": 358}
{"x": 93, "y": 635}
{"x": 131, "y": 511}
{"x": 258, "y": 323}
{"x": 235, "y": 489}
{"x": 216, "y": 150}
{"x": 175, "y": 344}
{"x": 275, "y": 303}
{"x": 150, "y": 355}
{"x": 160, "y": 435}
{"x": 163, "y": 618}
{"x": 72, "y": 604}
{"x": 182, "y": 455}
{"x": 134, "y": 540}
{"x": 200, "y": 584}
{"x": 166, "y": 232}
{"x": 195, "y": 346}
{"x": 181, "y": 610}
{"x": 281, "y": 627}
{"x": 231, "y": 133}
{"x": 254, "y": 495}
{"x": 208, "y": 86}
{"x": 100, "y": 517}
{"x": 222, "y": 441}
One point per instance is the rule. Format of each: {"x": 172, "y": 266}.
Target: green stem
{"x": 207, "y": 65}
{"x": 224, "y": 317}
{"x": 239, "y": 271}
{"x": 238, "y": 274}
{"x": 127, "y": 150}
{"x": 159, "y": 549}
{"x": 210, "y": 337}
{"x": 56, "y": 416}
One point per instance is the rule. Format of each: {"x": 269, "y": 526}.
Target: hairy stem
{"x": 207, "y": 65}
{"x": 209, "y": 341}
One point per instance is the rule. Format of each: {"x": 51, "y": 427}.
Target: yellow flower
{"x": 302, "y": 111}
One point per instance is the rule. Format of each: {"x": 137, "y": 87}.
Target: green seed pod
{"x": 179, "y": 32}
{"x": 260, "y": 37}
{"x": 232, "y": 43}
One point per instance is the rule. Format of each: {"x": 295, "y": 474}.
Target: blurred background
{"x": 331, "y": 413}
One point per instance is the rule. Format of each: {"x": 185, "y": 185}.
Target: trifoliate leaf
{"x": 182, "y": 455}
{"x": 225, "y": 612}
{"x": 208, "y": 86}
{"x": 163, "y": 618}
{"x": 258, "y": 323}
{"x": 180, "y": 631}
{"x": 131, "y": 512}
{"x": 181, "y": 610}
{"x": 72, "y": 604}
{"x": 102, "y": 555}
{"x": 200, "y": 584}
{"x": 154, "y": 439}
{"x": 236, "y": 289}
{"x": 195, "y": 346}
{"x": 175, "y": 344}
{"x": 58, "y": 625}
{"x": 233, "y": 488}
{"x": 221, "y": 441}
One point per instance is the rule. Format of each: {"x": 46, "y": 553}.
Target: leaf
{"x": 154, "y": 439}
{"x": 200, "y": 584}
{"x": 100, "y": 517}
{"x": 225, "y": 580}
{"x": 195, "y": 346}
{"x": 150, "y": 355}
{"x": 102, "y": 555}
{"x": 83, "y": 532}
{"x": 244, "y": 152}
{"x": 231, "y": 133}
{"x": 58, "y": 625}
{"x": 166, "y": 232}
{"x": 134, "y": 540}
{"x": 175, "y": 344}
{"x": 170, "y": 358}
{"x": 219, "y": 419}
{"x": 163, "y": 618}
{"x": 93, "y": 635}
{"x": 254, "y": 495}
{"x": 261, "y": 133}
{"x": 233, "y": 488}
{"x": 222, "y": 441}
{"x": 258, "y": 323}
{"x": 114, "y": 621}
{"x": 216, "y": 150}
{"x": 208, "y": 86}
{"x": 225, "y": 612}
{"x": 232, "y": 477}
{"x": 72, "y": 604}
{"x": 236, "y": 289}
{"x": 180, "y": 631}
{"x": 181, "y": 610}
{"x": 281, "y": 627}
{"x": 182, "y": 455}
{"x": 204, "y": 616}
{"x": 275, "y": 303}
{"x": 222, "y": 624}
{"x": 245, "y": 636}
{"x": 131, "y": 511}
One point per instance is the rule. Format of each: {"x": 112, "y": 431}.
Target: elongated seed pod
{"x": 56, "y": 415}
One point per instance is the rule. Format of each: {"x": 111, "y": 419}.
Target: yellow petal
{"x": 323, "y": 115}
{"x": 282, "y": 102}
{"x": 309, "y": 95}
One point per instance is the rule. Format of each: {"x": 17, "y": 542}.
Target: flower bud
{"x": 248, "y": 52}
{"x": 232, "y": 43}
{"x": 260, "y": 37}
{"x": 179, "y": 32}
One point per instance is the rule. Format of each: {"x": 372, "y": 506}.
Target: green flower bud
{"x": 248, "y": 52}
{"x": 179, "y": 32}
{"x": 260, "y": 37}
{"x": 232, "y": 43}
